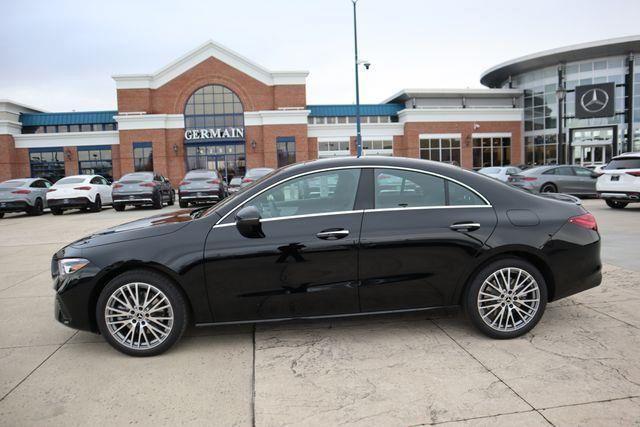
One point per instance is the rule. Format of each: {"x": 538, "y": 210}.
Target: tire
{"x": 1, "y": 215}
{"x": 119, "y": 207}
{"x": 163, "y": 292}
{"x": 157, "y": 201}
{"x": 183, "y": 205}
{"x": 57, "y": 211}
{"x": 548, "y": 188}
{"x": 97, "y": 205}
{"x": 527, "y": 312}
{"x": 37, "y": 208}
{"x": 615, "y": 204}
{"x": 172, "y": 198}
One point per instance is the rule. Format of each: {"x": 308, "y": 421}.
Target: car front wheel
{"x": 119, "y": 207}
{"x": 141, "y": 313}
{"x": 506, "y": 299}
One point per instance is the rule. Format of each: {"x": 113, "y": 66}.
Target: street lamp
{"x": 357, "y": 63}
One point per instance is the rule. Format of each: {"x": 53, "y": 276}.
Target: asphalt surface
{"x": 580, "y": 365}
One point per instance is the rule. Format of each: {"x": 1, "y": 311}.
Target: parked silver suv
{"x": 201, "y": 186}
{"x": 24, "y": 195}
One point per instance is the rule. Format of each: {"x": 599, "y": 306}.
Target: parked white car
{"x": 501, "y": 173}
{"x": 619, "y": 183}
{"x": 79, "y": 192}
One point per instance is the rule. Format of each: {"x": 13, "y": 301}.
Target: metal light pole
{"x": 355, "y": 39}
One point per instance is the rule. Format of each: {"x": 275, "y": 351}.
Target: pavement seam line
{"x": 37, "y": 367}
{"x": 490, "y": 371}
{"x": 610, "y": 316}
{"x": 590, "y": 403}
{"x": 460, "y": 420}
{"x": 253, "y": 381}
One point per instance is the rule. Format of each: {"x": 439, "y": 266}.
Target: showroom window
{"x": 47, "y": 163}
{"x": 322, "y": 192}
{"x": 377, "y": 147}
{"x": 286, "y": 150}
{"x": 440, "y": 148}
{"x": 491, "y": 151}
{"x": 96, "y": 160}
{"x": 213, "y": 106}
{"x": 143, "y": 157}
{"x": 333, "y": 147}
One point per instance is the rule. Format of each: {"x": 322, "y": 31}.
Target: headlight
{"x": 71, "y": 265}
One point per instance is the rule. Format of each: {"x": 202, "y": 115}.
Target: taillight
{"x": 21, "y": 192}
{"x": 52, "y": 189}
{"x": 83, "y": 188}
{"x": 247, "y": 180}
{"x": 214, "y": 181}
{"x": 147, "y": 184}
{"x": 529, "y": 178}
{"x": 116, "y": 185}
{"x": 635, "y": 173}
{"x": 185, "y": 183}
{"x": 587, "y": 221}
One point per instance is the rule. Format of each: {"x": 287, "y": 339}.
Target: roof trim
{"x": 609, "y": 47}
{"x": 406, "y": 94}
{"x": 200, "y": 54}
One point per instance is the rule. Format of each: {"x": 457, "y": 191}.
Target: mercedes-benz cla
{"x": 332, "y": 238}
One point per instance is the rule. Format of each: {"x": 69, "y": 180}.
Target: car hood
{"x": 157, "y": 225}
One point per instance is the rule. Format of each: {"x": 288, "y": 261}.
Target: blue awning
{"x": 336, "y": 110}
{"x": 72, "y": 118}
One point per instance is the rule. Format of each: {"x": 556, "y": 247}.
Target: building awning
{"x": 338, "y": 110}
{"x": 71, "y": 118}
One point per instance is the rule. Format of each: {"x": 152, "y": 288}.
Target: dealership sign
{"x": 595, "y": 101}
{"x": 218, "y": 133}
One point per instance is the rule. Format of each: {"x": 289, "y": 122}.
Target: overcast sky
{"x": 60, "y": 55}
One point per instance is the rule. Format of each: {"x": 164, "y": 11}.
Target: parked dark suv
{"x": 142, "y": 188}
{"x": 201, "y": 186}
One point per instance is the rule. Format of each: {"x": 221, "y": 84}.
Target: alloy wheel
{"x": 139, "y": 316}
{"x": 508, "y": 299}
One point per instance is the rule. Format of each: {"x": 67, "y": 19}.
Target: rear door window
{"x": 404, "y": 189}
{"x": 625, "y": 163}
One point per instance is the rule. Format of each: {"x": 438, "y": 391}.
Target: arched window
{"x": 213, "y": 107}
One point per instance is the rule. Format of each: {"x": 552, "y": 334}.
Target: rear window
{"x": 71, "y": 180}
{"x": 12, "y": 184}
{"x": 625, "y": 163}
{"x": 133, "y": 178}
{"x": 490, "y": 170}
{"x": 201, "y": 176}
{"x": 254, "y": 173}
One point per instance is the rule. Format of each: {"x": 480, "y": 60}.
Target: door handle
{"x": 332, "y": 234}
{"x": 465, "y": 226}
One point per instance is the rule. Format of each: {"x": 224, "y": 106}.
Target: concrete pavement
{"x": 580, "y": 365}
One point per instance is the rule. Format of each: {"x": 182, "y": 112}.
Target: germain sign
{"x": 218, "y": 133}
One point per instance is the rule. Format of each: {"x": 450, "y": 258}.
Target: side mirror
{"x": 248, "y": 222}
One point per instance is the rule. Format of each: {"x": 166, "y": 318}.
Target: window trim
{"x": 369, "y": 166}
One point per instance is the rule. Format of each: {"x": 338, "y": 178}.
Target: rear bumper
{"x": 627, "y": 196}
{"x": 133, "y": 199}
{"x": 69, "y": 203}
{"x": 199, "y": 196}
{"x": 14, "y": 206}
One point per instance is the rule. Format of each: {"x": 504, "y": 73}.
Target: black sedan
{"x": 332, "y": 238}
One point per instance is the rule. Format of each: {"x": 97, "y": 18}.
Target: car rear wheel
{"x": 172, "y": 198}
{"x": 1, "y": 215}
{"x": 57, "y": 211}
{"x": 141, "y": 313}
{"x": 157, "y": 201}
{"x": 119, "y": 206}
{"x": 506, "y": 299}
{"x": 183, "y": 204}
{"x": 37, "y": 208}
{"x": 97, "y": 205}
{"x": 548, "y": 188}
{"x": 615, "y": 204}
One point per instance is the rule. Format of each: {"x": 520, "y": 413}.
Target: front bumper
{"x": 14, "y": 206}
{"x": 133, "y": 199}
{"x": 69, "y": 203}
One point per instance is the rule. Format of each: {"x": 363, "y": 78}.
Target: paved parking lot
{"x": 580, "y": 365}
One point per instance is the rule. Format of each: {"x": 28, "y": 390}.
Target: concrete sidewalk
{"x": 580, "y": 365}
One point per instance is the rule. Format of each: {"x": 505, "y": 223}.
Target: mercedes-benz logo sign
{"x": 594, "y": 100}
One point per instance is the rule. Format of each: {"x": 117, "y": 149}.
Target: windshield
{"x": 71, "y": 180}
{"x": 12, "y": 184}
{"x": 624, "y": 163}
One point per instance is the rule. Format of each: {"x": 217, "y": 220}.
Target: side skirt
{"x": 332, "y": 316}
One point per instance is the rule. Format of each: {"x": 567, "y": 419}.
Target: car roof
{"x": 630, "y": 154}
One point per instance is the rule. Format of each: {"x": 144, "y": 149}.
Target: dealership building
{"x": 215, "y": 109}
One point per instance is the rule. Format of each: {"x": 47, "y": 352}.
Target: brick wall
{"x": 410, "y": 146}
{"x": 70, "y": 161}
{"x": 14, "y": 162}
{"x": 269, "y": 136}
